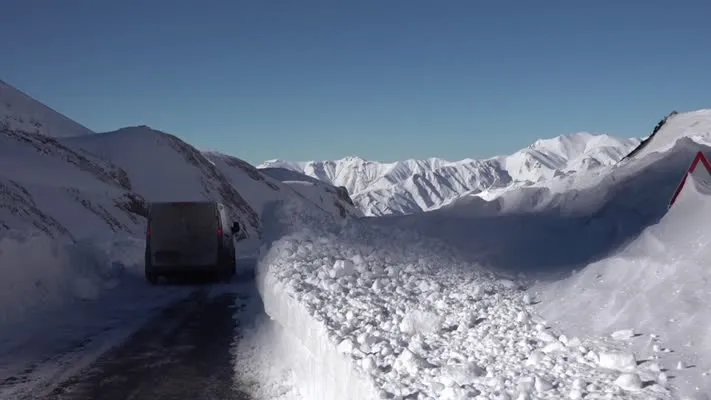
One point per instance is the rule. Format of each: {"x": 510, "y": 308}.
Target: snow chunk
{"x": 527, "y": 299}
{"x": 535, "y": 358}
{"x": 342, "y": 268}
{"x": 546, "y": 337}
{"x": 624, "y": 334}
{"x": 629, "y": 381}
{"x": 418, "y": 321}
{"x": 542, "y": 385}
{"x": 553, "y": 347}
{"x": 346, "y": 346}
{"x": 410, "y": 362}
{"x": 623, "y": 362}
{"x": 462, "y": 374}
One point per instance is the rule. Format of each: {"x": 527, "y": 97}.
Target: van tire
{"x": 224, "y": 270}
{"x": 225, "y": 277}
{"x": 152, "y": 277}
{"x": 233, "y": 265}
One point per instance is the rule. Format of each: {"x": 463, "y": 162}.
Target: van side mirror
{"x": 235, "y": 227}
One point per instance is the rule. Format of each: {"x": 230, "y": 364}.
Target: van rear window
{"x": 191, "y": 216}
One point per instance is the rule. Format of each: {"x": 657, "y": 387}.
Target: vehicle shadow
{"x": 245, "y": 274}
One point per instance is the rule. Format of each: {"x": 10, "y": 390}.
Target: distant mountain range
{"x": 412, "y": 186}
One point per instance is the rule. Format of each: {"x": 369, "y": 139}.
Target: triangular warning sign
{"x": 702, "y": 174}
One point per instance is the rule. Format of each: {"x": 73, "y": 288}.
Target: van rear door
{"x": 184, "y": 234}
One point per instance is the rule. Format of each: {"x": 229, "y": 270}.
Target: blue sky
{"x": 383, "y": 79}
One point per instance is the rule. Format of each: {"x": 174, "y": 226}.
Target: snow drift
{"x": 41, "y": 273}
{"x": 694, "y": 125}
{"x": 546, "y": 230}
{"x": 660, "y": 285}
{"x": 63, "y": 303}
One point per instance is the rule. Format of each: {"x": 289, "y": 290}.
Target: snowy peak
{"x": 413, "y": 185}
{"x": 581, "y": 144}
{"x": 20, "y": 112}
{"x": 565, "y": 144}
{"x": 547, "y": 158}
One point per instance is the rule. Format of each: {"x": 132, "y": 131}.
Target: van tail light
{"x": 219, "y": 231}
{"x": 148, "y": 231}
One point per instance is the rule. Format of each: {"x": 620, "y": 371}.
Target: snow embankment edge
{"x": 325, "y": 374}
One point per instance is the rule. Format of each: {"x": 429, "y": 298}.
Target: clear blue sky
{"x": 382, "y": 79}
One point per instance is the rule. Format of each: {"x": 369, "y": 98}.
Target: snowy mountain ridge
{"x": 68, "y": 182}
{"x": 20, "y": 112}
{"x": 410, "y": 186}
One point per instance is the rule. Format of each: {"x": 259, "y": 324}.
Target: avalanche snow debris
{"x": 436, "y": 327}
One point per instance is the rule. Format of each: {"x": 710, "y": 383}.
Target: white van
{"x": 190, "y": 237}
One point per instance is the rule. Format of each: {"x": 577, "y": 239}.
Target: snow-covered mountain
{"x": 57, "y": 177}
{"x": 411, "y": 186}
{"x": 20, "y": 112}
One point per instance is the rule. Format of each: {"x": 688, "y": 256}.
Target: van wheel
{"x": 225, "y": 276}
{"x": 152, "y": 278}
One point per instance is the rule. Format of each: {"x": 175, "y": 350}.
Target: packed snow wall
{"x": 322, "y": 372}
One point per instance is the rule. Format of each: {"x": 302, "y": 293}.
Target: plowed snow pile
{"x": 40, "y": 273}
{"x": 64, "y": 303}
{"x": 385, "y": 313}
{"x": 659, "y": 287}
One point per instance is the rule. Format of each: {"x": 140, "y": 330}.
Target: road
{"x": 182, "y": 353}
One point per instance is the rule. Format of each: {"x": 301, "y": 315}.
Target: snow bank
{"x": 575, "y": 228}
{"x": 269, "y": 356}
{"x": 385, "y": 313}
{"x": 40, "y": 273}
{"x": 694, "y": 125}
{"x": 659, "y": 285}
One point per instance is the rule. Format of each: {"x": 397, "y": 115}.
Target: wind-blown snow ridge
{"x": 415, "y": 321}
{"x": 659, "y": 285}
{"x": 411, "y": 186}
{"x": 694, "y": 125}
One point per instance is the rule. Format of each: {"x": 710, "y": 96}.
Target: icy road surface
{"x": 184, "y": 353}
{"x": 183, "y": 350}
